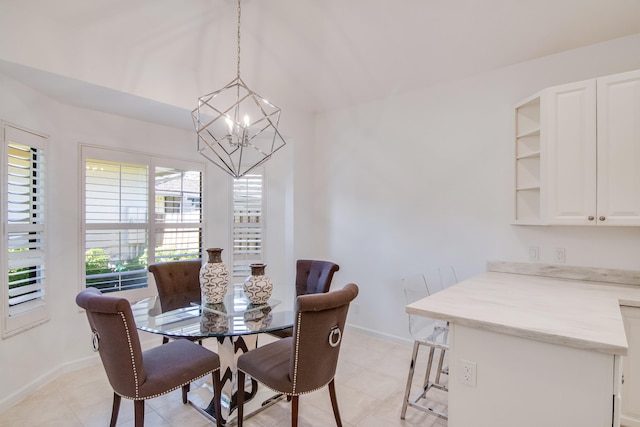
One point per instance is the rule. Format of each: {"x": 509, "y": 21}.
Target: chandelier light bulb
{"x": 230, "y": 125}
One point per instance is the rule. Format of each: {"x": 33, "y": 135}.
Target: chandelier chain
{"x": 239, "y": 12}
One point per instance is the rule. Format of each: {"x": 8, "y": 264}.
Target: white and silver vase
{"x": 214, "y": 277}
{"x": 258, "y": 287}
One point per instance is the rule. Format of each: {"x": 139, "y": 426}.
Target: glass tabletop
{"x": 236, "y": 315}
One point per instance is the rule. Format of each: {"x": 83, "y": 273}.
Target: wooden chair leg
{"x": 240, "y": 399}
{"x": 217, "y": 396}
{"x": 138, "y": 408}
{"x": 115, "y": 409}
{"x": 334, "y": 403}
{"x": 185, "y": 389}
{"x": 294, "y": 411}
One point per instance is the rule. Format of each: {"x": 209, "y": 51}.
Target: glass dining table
{"x": 236, "y": 324}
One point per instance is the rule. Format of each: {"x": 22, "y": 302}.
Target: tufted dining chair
{"x": 312, "y": 277}
{"x": 178, "y": 284}
{"x": 137, "y": 375}
{"x": 306, "y": 361}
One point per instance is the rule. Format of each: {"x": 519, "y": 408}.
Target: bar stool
{"x": 430, "y": 333}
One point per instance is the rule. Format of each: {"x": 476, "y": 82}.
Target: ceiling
{"x": 315, "y": 55}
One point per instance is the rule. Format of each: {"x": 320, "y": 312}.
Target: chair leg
{"x": 294, "y": 411}
{"x": 115, "y": 409}
{"x": 185, "y": 389}
{"x": 334, "y": 403}
{"x": 217, "y": 396}
{"x": 427, "y": 374}
{"x": 240, "y": 399}
{"x": 138, "y": 408}
{"x": 440, "y": 364}
{"x": 412, "y": 368}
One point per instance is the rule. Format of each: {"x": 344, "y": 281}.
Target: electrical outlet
{"x": 467, "y": 371}
{"x": 534, "y": 253}
{"x": 560, "y": 255}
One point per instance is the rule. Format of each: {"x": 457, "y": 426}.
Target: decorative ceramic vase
{"x": 258, "y": 287}
{"x": 214, "y": 277}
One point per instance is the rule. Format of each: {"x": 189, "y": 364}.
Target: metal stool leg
{"x": 412, "y": 368}
{"x": 427, "y": 374}
{"x": 427, "y": 385}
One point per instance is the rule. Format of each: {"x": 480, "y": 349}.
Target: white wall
{"x": 424, "y": 179}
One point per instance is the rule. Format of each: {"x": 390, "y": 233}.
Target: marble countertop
{"x": 576, "y": 313}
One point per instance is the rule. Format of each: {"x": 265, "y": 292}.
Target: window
{"x": 137, "y": 212}
{"x": 24, "y": 303}
{"x": 248, "y": 223}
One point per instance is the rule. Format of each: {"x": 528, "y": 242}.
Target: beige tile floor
{"x": 370, "y": 383}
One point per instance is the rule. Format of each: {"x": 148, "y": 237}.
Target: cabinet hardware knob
{"x": 591, "y": 218}
{"x": 601, "y": 218}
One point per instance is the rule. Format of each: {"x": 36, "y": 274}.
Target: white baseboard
{"x": 376, "y": 334}
{"x": 31, "y": 387}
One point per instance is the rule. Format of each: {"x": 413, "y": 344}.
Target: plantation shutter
{"x": 24, "y": 293}
{"x": 178, "y": 214}
{"x": 116, "y": 217}
{"x": 138, "y": 210}
{"x": 248, "y": 223}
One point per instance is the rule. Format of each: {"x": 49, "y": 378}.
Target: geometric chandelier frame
{"x": 237, "y": 129}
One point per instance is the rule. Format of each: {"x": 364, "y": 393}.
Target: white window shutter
{"x": 24, "y": 216}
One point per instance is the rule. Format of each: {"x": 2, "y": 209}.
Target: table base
{"x": 257, "y": 398}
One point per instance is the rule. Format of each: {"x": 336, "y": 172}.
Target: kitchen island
{"x": 545, "y": 343}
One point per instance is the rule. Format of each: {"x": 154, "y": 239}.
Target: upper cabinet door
{"x": 619, "y": 149}
{"x": 570, "y": 134}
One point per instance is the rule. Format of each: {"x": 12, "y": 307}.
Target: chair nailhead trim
{"x": 135, "y": 370}
{"x": 295, "y": 361}
{"x": 170, "y": 390}
{"x": 294, "y": 393}
{"x": 133, "y": 361}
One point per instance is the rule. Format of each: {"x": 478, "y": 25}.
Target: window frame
{"x": 40, "y": 313}
{"x": 152, "y": 226}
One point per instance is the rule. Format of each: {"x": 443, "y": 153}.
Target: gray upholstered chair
{"x": 312, "y": 277}
{"x": 178, "y": 284}
{"x": 137, "y": 375}
{"x": 306, "y": 361}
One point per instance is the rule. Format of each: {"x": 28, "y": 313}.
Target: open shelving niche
{"x": 527, "y": 161}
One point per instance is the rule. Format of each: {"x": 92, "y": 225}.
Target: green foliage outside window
{"x": 102, "y": 273}
{"x": 97, "y": 261}
{"x": 19, "y": 275}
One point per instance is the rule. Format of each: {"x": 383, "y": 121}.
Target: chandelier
{"x": 237, "y": 128}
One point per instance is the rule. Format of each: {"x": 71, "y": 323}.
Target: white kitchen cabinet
{"x": 577, "y": 154}
{"x": 630, "y": 394}
{"x": 619, "y": 149}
